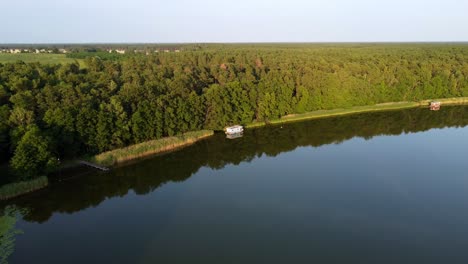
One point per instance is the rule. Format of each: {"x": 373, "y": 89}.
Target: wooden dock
{"x": 93, "y": 165}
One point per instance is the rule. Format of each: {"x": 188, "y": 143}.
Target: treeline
{"x": 51, "y": 112}
{"x": 103, "y": 55}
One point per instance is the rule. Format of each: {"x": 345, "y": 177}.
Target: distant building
{"x": 63, "y": 51}
{"x": 120, "y": 51}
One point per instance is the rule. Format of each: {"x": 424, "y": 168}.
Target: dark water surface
{"x": 387, "y": 187}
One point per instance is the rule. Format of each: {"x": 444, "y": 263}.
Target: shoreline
{"x": 148, "y": 148}
{"x": 145, "y": 149}
{"x": 142, "y": 150}
{"x": 357, "y": 110}
{"x": 16, "y": 189}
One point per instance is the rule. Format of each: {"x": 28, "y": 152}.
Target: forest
{"x": 54, "y": 112}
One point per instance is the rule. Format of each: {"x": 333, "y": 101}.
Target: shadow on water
{"x": 90, "y": 189}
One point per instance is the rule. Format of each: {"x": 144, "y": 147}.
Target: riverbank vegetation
{"x": 114, "y": 103}
{"x": 216, "y": 152}
{"x": 147, "y": 148}
{"x": 448, "y": 101}
{"x": 336, "y": 112}
{"x": 358, "y": 109}
{"x": 15, "y": 189}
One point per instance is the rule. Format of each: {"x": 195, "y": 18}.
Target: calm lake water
{"x": 386, "y": 187}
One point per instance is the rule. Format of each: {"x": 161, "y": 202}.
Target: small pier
{"x": 92, "y": 165}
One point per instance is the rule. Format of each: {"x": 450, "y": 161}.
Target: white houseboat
{"x": 234, "y": 130}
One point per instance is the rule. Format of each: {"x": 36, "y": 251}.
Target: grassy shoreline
{"x": 144, "y": 149}
{"x": 357, "y": 110}
{"x": 141, "y": 150}
{"x": 15, "y": 189}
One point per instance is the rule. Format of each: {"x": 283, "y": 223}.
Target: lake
{"x": 384, "y": 187}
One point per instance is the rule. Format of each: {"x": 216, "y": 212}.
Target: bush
{"x": 32, "y": 156}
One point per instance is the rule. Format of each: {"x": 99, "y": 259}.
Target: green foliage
{"x": 32, "y": 156}
{"x": 21, "y": 117}
{"x": 302, "y": 97}
{"x": 15, "y": 189}
{"x": 119, "y": 100}
{"x": 8, "y": 233}
{"x": 3, "y": 95}
{"x": 4, "y": 131}
{"x": 101, "y": 54}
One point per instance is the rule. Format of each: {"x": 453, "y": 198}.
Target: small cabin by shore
{"x": 434, "y": 105}
{"x": 233, "y": 130}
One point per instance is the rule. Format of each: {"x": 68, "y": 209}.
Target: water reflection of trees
{"x": 8, "y": 231}
{"x": 146, "y": 176}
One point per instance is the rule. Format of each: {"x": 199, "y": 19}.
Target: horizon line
{"x": 234, "y": 42}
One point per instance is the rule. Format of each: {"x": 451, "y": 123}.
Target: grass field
{"x": 41, "y": 58}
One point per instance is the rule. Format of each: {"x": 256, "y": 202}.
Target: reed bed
{"x": 15, "y": 189}
{"x": 144, "y": 149}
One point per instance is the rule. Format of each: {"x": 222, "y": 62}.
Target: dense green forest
{"x": 52, "y": 112}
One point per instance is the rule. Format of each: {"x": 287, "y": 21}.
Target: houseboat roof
{"x": 234, "y": 127}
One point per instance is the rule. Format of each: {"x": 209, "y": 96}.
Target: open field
{"x": 41, "y": 58}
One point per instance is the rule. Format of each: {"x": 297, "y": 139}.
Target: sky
{"x": 182, "y": 21}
